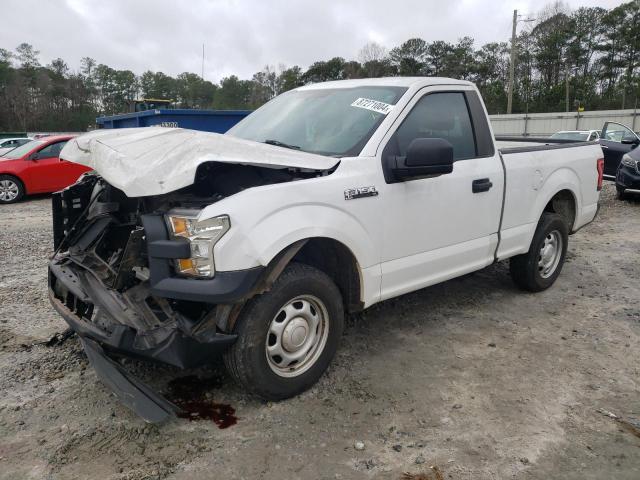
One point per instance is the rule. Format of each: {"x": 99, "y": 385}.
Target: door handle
{"x": 481, "y": 185}
{"x": 604, "y": 146}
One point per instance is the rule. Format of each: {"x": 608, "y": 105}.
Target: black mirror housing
{"x": 427, "y": 152}
{"x": 426, "y": 157}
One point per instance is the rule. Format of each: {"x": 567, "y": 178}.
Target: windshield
{"x": 22, "y": 150}
{"x": 336, "y": 121}
{"x": 578, "y": 136}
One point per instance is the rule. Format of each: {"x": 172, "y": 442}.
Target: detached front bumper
{"x": 130, "y": 391}
{"x": 80, "y": 300}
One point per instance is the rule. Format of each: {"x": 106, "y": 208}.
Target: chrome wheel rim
{"x": 8, "y": 190}
{"x": 550, "y": 253}
{"x": 297, "y": 336}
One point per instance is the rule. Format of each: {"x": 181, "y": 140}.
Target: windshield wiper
{"x": 278, "y": 143}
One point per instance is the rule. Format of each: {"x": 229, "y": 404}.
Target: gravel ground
{"x": 471, "y": 376}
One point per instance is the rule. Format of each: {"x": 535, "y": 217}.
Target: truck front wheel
{"x": 537, "y": 269}
{"x": 287, "y": 336}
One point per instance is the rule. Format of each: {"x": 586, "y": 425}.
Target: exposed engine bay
{"x": 100, "y": 272}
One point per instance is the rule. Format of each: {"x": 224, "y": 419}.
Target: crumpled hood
{"x": 156, "y": 160}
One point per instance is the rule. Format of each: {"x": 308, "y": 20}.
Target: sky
{"x": 242, "y": 36}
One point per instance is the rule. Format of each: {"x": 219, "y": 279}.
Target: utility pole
{"x": 566, "y": 87}
{"x": 512, "y": 63}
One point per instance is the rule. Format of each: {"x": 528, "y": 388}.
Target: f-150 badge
{"x": 360, "y": 192}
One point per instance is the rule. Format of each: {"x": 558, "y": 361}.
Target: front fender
{"x": 244, "y": 247}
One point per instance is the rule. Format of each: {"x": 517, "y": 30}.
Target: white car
{"x": 578, "y": 135}
{"x": 8, "y": 144}
{"x": 328, "y": 199}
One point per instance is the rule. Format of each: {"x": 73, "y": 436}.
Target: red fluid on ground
{"x": 222, "y": 415}
{"x": 188, "y": 393}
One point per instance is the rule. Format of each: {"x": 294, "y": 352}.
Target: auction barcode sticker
{"x": 373, "y": 105}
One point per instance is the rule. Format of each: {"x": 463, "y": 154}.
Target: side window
{"x": 615, "y": 132}
{"x": 52, "y": 150}
{"x": 438, "y": 115}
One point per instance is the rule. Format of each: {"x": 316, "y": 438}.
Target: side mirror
{"x": 426, "y": 157}
{"x": 34, "y": 156}
{"x": 630, "y": 141}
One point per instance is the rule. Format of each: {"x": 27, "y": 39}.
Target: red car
{"x": 36, "y": 167}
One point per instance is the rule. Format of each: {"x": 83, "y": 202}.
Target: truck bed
{"x": 509, "y": 144}
{"x": 535, "y": 169}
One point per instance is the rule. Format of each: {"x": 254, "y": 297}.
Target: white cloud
{"x": 241, "y": 36}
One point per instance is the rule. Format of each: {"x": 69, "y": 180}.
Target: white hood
{"x": 156, "y": 160}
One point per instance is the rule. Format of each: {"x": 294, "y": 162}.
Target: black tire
{"x": 621, "y": 194}
{"x": 525, "y": 270}
{"x": 14, "y": 181}
{"x": 247, "y": 360}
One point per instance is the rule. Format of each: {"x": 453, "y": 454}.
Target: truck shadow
{"x": 474, "y": 289}
{"x": 208, "y": 393}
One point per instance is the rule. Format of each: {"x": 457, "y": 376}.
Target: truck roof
{"x": 416, "y": 82}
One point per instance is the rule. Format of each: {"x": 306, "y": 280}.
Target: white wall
{"x": 544, "y": 124}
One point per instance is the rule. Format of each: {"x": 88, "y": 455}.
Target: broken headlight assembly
{"x": 202, "y": 236}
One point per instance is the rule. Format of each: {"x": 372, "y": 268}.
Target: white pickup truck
{"x": 330, "y": 198}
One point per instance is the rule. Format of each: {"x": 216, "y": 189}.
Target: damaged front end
{"x": 113, "y": 279}
{"x": 133, "y": 272}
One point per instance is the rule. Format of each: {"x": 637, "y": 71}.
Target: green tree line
{"x": 565, "y": 59}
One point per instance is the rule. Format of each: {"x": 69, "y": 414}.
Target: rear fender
{"x": 516, "y": 238}
{"x": 562, "y": 179}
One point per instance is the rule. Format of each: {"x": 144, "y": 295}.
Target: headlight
{"x": 627, "y": 161}
{"x": 202, "y": 236}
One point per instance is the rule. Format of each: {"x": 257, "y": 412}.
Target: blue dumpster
{"x": 218, "y": 121}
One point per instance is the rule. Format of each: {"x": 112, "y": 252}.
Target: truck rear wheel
{"x": 287, "y": 336}
{"x": 537, "y": 269}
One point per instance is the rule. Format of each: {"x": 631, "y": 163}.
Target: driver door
{"x": 616, "y": 140}
{"x": 440, "y": 227}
